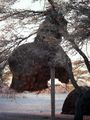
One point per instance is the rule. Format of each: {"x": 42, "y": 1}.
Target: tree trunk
{"x": 86, "y": 61}
{"x": 70, "y": 39}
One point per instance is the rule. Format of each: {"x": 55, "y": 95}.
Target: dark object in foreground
{"x": 78, "y": 104}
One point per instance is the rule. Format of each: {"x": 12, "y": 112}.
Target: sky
{"x": 26, "y": 4}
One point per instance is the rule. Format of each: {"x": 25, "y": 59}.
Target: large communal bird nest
{"x": 30, "y": 63}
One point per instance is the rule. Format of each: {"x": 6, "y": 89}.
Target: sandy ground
{"x": 30, "y": 103}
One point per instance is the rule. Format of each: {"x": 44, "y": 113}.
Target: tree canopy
{"x": 19, "y": 25}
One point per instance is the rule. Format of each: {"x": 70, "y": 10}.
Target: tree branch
{"x": 52, "y": 4}
{"x": 24, "y": 14}
{"x": 70, "y": 39}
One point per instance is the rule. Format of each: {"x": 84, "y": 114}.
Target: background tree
{"x": 14, "y": 23}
